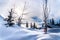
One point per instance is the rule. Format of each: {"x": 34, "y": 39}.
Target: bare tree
{"x": 45, "y": 10}
{"x": 23, "y": 14}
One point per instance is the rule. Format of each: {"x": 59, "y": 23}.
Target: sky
{"x": 33, "y": 8}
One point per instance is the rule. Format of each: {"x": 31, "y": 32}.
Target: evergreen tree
{"x": 50, "y": 21}
{"x": 19, "y": 21}
{"x": 53, "y": 21}
{"x": 59, "y": 22}
{"x": 34, "y": 25}
{"x": 31, "y": 25}
{"x": 10, "y": 18}
{"x": 27, "y": 24}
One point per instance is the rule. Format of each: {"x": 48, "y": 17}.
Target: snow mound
{"x": 19, "y": 33}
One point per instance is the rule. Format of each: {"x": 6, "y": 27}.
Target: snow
{"x": 20, "y": 33}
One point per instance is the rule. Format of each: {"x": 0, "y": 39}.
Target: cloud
{"x": 33, "y": 6}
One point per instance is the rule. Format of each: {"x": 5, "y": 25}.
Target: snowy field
{"x": 19, "y": 33}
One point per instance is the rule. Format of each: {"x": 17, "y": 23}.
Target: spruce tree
{"x": 53, "y": 21}
{"x": 19, "y": 21}
{"x": 59, "y": 22}
{"x": 50, "y": 21}
{"x": 10, "y": 18}
{"x": 27, "y": 24}
{"x": 34, "y": 25}
{"x": 31, "y": 25}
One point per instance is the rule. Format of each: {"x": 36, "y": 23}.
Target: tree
{"x": 27, "y": 24}
{"x": 50, "y": 21}
{"x": 31, "y": 25}
{"x": 19, "y": 21}
{"x": 34, "y": 25}
{"x": 24, "y": 14}
{"x": 53, "y": 21}
{"x": 59, "y": 22}
{"x": 45, "y": 12}
{"x": 10, "y": 18}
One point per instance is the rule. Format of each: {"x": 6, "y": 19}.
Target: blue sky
{"x": 33, "y": 6}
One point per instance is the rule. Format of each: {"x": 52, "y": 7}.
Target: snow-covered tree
{"x": 19, "y": 21}
{"x": 50, "y": 21}
{"x": 31, "y": 25}
{"x": 53, "y": 21}
{"x": 10, "y": 18}
{"x": 59, "y": 21}
{"x": 34, "y": 25}
{"x": 27, "y": 25}
{"x": 23, "y": 14}
{"x": 45, "y": 12}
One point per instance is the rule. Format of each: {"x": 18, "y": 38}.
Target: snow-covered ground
{"x": 19, "y": 33}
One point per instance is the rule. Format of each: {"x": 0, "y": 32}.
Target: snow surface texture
{"x": 19, "y": 33}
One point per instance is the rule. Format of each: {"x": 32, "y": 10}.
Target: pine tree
{"x": 27, "y": 24}
{"x": 50, "y": 21}
{"x": 34, "y": 25}
{"x": 10, "y": 18}
{"x": 31, "y": 25}
{"x": 19, "y": 21}
{"x": 59, "y": 21}
{"x": 53, "y": 21}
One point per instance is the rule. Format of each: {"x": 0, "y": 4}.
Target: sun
{"x": 18, "y": 11}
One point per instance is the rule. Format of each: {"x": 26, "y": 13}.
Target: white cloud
{"x": 33, "y": 6}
